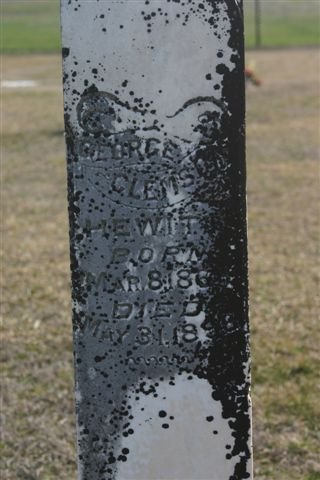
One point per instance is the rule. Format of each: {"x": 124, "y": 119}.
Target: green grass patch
{"x": 30, "y": 26}
{"x": 284, "y": 30}
{"x": 314, "y": 476}
{"x": 33, "y": 26}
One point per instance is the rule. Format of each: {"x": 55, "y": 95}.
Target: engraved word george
{"x": 133, "y": 166}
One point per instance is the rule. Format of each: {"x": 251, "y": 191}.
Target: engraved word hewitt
{"x": 154, "y": 117}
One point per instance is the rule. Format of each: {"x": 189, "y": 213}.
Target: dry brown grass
{"x": 283, "y": 200}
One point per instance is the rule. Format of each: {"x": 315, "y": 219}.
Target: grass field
{"x": 32, "y": 26}
{"x": 29, "y": 26}
{"x": 283, "y": 200}
{"x": 284, "y": 22}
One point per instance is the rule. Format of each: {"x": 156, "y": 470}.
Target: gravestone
{"x": 154, "y": 117}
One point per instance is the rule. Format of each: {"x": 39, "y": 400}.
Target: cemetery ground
{"x": 38, "y": 440}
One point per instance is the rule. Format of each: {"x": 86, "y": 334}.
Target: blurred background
{"x": 283, "y": 67}
{"x": 32, "y": 26}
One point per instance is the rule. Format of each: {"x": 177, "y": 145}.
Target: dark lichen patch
{"x": 65, "y": 52}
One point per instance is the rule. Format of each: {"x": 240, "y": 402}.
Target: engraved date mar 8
{"x": 155, "y": 280}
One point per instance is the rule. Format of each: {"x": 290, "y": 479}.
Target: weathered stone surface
{"x": 154, "y": 112}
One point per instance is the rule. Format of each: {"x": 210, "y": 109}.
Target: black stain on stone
{"x": 222, "y": 69}
{"x": 65, "y": 52}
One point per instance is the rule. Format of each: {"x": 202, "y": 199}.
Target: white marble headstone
{"x": 154, "y": 115}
